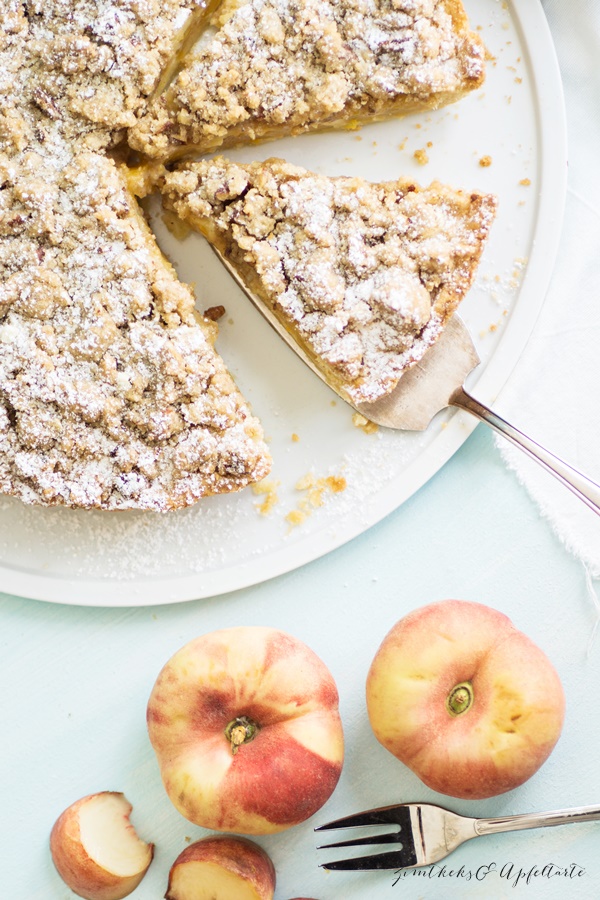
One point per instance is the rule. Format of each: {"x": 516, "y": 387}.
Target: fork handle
{"x": 537, "y": 820}
{"x": 586, "y": 489}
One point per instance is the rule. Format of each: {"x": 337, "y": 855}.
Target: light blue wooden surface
{"x": 75, "y": 682}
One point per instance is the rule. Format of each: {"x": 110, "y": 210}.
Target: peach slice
{"x": 96, "y": 850}
{"x": 220, "y": 868}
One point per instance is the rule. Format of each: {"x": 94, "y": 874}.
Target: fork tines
{"x": 402, "y": 857}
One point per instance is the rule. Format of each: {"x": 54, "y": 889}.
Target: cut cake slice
{"x": 89, "y": 66}
{"x": 364, "y": 276}
{"x": 279, "y": 67}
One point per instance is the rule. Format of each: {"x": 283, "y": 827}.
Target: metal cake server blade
{"x": 431, "y": 385}
{"x": 437, "y": 381}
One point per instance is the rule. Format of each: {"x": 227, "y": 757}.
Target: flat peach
{"x": 464, "y": 699}
{"x": 246, "y": 729}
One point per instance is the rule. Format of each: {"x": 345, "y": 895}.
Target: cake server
{"x": 437, "y": 381}
{"x": 431, "y": 385}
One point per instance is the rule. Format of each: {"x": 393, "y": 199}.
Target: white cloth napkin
{"x": 554, "y": 392}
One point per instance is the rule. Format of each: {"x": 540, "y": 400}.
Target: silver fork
{"x": 428, "y": 833}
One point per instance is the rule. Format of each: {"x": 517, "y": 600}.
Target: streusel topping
{"x": 110, "y": 392}
{"x": 92, "y": 64}
{"x": 365, "y": 275}
{"x": 281, "y": 66}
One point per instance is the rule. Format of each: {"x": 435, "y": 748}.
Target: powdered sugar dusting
{"x": 129, "y": 546}
{"x": 365, "y": 275}
{"x": 284, "y": 66}
{"x": 90, "y": 65}
{"x": 111, "y": 394}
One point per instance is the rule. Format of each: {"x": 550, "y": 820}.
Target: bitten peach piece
{"x": 96, "y": 850}
{"x": 222, "y": 868}
{"x": 464, "y": 699}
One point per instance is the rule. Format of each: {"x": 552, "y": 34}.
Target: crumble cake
{"x": 363, "y": 275}
{"x": 279, "y": 67}
{"x": 91, "y": 65}
{"x": 111, "y": 393}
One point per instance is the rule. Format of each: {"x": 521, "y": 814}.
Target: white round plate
{"x": 223, "y": 543}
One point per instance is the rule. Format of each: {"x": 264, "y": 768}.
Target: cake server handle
{"x": 583, "y": 487}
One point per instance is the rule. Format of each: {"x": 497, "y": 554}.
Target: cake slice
{"x": 111, "y": 394}
{"x": 90, "y": 66}
{"x": 364, "y": 276}
{"x": 280, "y": 67}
